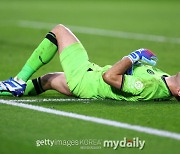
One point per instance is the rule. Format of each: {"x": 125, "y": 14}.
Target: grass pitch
{"x": 21, "y": 128}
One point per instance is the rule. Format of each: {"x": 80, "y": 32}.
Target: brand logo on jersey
{"x": 150, "y": 71}
{"x": 138, "y": 84}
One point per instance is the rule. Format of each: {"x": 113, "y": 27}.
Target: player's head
{"x": 177, "y": 78}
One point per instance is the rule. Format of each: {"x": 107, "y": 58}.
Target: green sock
{"x": 41, "y": 56}
{"x": 5, "y": 93}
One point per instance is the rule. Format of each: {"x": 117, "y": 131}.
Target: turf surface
{"x": 20, "y": 128}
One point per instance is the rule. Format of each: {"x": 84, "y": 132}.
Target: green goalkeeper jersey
{"x": 85, "y": 79}
{"x": 146, "y": 83}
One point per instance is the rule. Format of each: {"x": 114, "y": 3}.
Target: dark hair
{"x": 178, "y": 98}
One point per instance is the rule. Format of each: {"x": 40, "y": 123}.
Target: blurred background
{"x": 109, "y": 30}
{"x": 23, "y": 24}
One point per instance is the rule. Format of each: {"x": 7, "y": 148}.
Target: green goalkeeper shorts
{"x": 84, "y": 78}
{"x": 75, "y": 62}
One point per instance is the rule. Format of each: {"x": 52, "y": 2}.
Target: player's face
{"x": 178, "y": 78}
{"x": 178, "y": 82}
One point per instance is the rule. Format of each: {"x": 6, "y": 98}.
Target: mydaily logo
{"x": 125, "y": 143}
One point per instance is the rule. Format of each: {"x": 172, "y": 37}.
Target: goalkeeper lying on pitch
{"x": 129, "y": 79}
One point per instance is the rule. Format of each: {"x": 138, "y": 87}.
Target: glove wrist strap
{"x": 134, "y": 57}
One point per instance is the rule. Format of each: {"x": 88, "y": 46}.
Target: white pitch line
{"x": 102, "y": 32}
{"x": 137, "y": 128}
{"x": 52, "y": 100}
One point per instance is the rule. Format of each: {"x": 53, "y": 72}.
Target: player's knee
{"x": 59, "y": 29}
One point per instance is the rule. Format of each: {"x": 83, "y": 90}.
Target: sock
{"x": 41, "y": 56}
{"x": 5, "y": 93}
{"x": 34, "y": 87}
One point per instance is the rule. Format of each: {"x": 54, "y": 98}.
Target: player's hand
{"x": 143, "y": 55}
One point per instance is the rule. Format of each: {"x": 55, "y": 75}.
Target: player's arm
{"x": 114, "y": 75}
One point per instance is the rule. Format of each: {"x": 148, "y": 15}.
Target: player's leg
{"x": 64, "y": 37}
{"x": 41, "y": 55}
{"x": 52, "y": 81}
{"x": 55, "y": 81}
{"x": 73, "y": 57}
{"x": 59, "y": 36}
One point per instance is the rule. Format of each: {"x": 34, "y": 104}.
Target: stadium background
{"x": 23, "y": 24}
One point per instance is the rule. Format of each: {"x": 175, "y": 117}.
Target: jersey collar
{"x": 163, "y": 78}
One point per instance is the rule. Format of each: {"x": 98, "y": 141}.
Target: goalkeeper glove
{"x": 143, "y": 55}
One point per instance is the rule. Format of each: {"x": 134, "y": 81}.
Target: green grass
{"x": 20, "y": 128}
